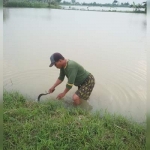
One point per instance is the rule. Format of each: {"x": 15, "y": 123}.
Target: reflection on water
{"x": 6, "y": 14}
{"x": 109, "y": 45}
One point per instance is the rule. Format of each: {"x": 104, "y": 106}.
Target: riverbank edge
{"x": 52, "y": 125}
{"x": 56, "y": 6}
{"x": 141, "y": 12}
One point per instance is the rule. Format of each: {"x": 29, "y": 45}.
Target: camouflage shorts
{"x": 84, "y": 90}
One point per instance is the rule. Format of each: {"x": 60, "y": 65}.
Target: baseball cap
{"x": 54, "y": 58}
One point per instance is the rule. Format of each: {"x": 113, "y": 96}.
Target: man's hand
{"x": 61, "y": 95}
{"x": 51, "y": 90}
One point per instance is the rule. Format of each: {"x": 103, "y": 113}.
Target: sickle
{"x": 43, "y": 94}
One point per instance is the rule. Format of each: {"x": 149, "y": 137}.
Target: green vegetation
{"x": 51, "y": 126}
{"x": 138, "y": 6}
{"x": 1, "y": 124}
{"x": 115, "y": 3}
{"x": 31, "y": 4}
{"x": 1, "y": 4}
{"x": 56, "y": 4}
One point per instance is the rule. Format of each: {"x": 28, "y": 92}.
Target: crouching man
{"x": 76, "y": 75}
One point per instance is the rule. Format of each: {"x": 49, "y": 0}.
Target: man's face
{"x": 58, "y": 64}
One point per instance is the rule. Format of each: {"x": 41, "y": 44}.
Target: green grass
{"x": 50, "y": 126}
{"x": 25, "y": 3}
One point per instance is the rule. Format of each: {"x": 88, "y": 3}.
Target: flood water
{"x": 109, "y": 45}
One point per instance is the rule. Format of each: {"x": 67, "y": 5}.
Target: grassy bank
{"x": 30, "y": 4}
{"x": 51, "y": 126}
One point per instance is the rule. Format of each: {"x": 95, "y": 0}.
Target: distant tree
{"x": 115, "y": 2}
{"x": 94, "y": 4}
{"x": 77, "y": 3}
{"x": 64, "y": 2}
{"x": 145, "y": 6}
{"x": 58, "y": 1}
{"x": 138, "y": 6}
{"x": 49, "y": 2}
{"x": 5, "y": 1}
{"x": 73, "y": 1}
{"x": 84, "y": 3}
{"x": 126, "y": 4}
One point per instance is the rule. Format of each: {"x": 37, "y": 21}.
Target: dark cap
{"x": 54, "y": 58}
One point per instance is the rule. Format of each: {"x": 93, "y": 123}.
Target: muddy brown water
{"x": 109, "y": 45}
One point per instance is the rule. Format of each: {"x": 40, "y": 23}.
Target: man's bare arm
{"x": 54, "y": 86}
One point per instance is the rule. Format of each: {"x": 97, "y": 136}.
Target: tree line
{"x": 114, "y": 3}
{"x": 32, "y": 1}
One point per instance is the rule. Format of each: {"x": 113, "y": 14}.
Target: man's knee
{"x": 76, "y": 99}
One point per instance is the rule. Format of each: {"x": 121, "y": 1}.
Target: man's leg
{"x": 76, "y": 99}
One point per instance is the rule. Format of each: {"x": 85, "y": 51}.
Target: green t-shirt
{"x": 75, "y": 73}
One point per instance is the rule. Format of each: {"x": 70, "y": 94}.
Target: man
{"x": 76, "y": 75}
